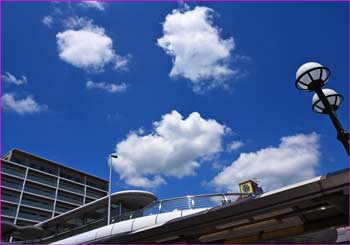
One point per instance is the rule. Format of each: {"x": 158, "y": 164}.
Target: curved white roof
{"x": 132, "y": 199}
{"x": 127, "y": 226}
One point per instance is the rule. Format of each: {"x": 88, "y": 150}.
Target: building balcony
{"x": 8, "y": 212}
{"x": 30, "y": 190}
{"x": 69, "y": 200}
{"x": 42, "y": 180}
{"x": 71, "y": 189}
{"x": 95, "y": 194}
{"x": 61, "y": 209}
{"x": 37, "y": 204}
{"x": 12, "y": 171}
{"x": 10, "y": 198}
{"x": 32, "y": 217}
{"x": 11, "y": 184}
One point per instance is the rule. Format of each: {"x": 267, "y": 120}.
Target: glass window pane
{"x": 331, "y": 100}
{"x": 317, "y": 109}
{"x": 176, "y": 205}
{"x": 302, "y": 86}
{"x": 151, "y": 209}
{"x": 306, "y": 79}
{"x": 324, "y": 74}
{"x": 207, "y": 201}
{"x": 320, "y": 105}
{"x": 339, "y": 100}
{"x": 316, "y": 74}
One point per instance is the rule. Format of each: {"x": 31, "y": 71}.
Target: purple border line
{"x": 348, "y": 92}
{"x": 194, "y": 1}
{"x": 0, "y": 103}
{"x": 126, "y": 1}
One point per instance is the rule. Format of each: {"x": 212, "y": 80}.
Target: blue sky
{"x": 171, "y": 95}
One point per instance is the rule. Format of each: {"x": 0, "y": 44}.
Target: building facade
{"x": 34, "y": 189}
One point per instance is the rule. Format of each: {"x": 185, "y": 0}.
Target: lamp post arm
{"x": 344, "y": 138}
{"x": 109, "y": 191}
{"x": 342, "y": 135}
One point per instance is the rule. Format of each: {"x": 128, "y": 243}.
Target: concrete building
{"x": 34, "y": 189}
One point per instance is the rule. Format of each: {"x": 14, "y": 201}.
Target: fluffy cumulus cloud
{"x": 295, "y": 159}
{"x": 93, "y": 4}
{"x": 22, "y": 106}
{"x": 199, "y": 53}
{"x": 108, "y": 87}
{"x": 87, "y": 46}
{"x": 9, "y": 78}
{"x": 175, "y": 147}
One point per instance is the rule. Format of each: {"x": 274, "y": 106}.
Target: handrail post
{"x": 160, "y": 207}
{"x": 225, "y": 198}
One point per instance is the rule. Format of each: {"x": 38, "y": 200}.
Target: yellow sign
{"x": 246, "y": 187}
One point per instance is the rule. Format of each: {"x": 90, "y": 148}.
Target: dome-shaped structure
{"x": 333, "y": 98}
{"x": 311, "y": 73}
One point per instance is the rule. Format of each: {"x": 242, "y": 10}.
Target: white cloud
{"x": 85, "y": 45}
{"x": 9, "y": 78}
{"x": 295, "y": 159}
{"x": 199, "y": 53}
{"x": 241, "y": 58}
{"x": 109, "y": 87}
{"x": 114, "y": 116}
{"x": 77, "y": 23}
{"x": 121, "y": 63}
{"x": 47, "y": 20}
{"x": 93, "y": 4}
{"x": 218, "y": 166}
{"x": 22, "y": 106}
{"x": 235, "y": 145}
{"x": 175, "y": 147}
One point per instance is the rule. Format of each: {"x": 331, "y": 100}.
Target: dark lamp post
{"x": 313, "y": 76}
{"x": 111, "y": 156}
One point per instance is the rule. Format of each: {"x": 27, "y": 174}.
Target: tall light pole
{"x": 111, "y": 156}
{"x": 313, "y": 76}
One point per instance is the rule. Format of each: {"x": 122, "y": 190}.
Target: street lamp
{"x": 313, "y": 76}
{"x": 333, "y": 98}
{"x": 111, "y": 156}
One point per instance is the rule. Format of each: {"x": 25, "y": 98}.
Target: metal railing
{"x": 182, "y": 203}
{"x": 158, "y": 207}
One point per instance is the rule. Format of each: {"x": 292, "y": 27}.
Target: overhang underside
{"x": 309, "y": 213}
{"x": 133, "y": 200}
